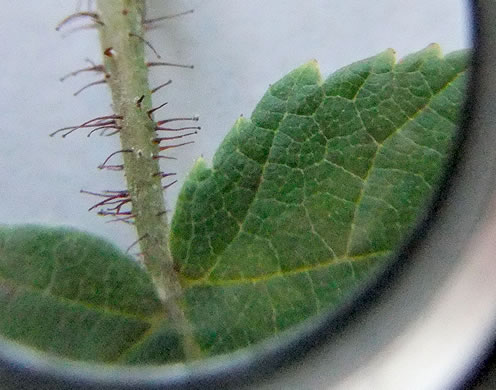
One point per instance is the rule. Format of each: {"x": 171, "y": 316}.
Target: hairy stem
{"x": 121, "y": 36}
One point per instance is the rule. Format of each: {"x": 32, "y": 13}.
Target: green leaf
{"x": 71, "y": 294}
{"x": 306, "y": 198}
{"x": 303, "y": 201}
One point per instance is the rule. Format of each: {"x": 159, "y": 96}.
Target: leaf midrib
{"x": 104, "y": 310}
{"x": 205, "y": 278}
{"x": 190, "y": 283}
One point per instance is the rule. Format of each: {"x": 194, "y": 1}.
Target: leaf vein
{"x": 381, "y": 145}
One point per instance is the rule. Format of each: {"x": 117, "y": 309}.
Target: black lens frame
{"x": 273, "y": 360}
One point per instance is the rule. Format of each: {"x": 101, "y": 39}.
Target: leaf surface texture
{"x": 71, "y": 294}
{"x": 309, "y": 195}
{"x": 304, "y": 200}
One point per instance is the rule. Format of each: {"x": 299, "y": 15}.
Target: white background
{"x": 238, "y": 49}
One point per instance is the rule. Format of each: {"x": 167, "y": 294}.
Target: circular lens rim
{"x": 261, "y": 362}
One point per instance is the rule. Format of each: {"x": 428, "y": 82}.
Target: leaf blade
{"x": 323, "y": 174}
{"x": 302, "y": 203}
{"x": 71, "y": 294}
